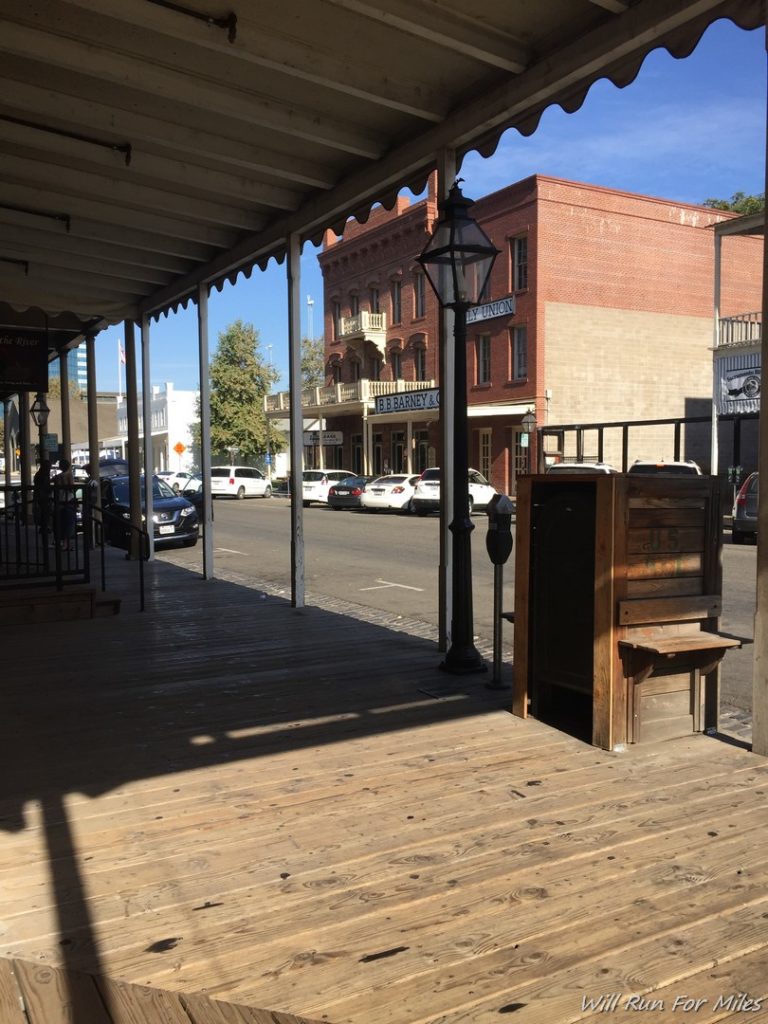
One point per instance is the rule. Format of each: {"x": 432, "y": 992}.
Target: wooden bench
{"x": 666, "y": 649}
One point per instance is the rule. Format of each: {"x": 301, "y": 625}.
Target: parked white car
{"x": 177, "y": 481}
{"x": 426, "y": 496}
{"x": 315, "y": 484}
{"x": 390, "y": 492}
{"x": 650, "y": 467}
{"x": 581, "y": 467}
{"x": 239, "y": 482}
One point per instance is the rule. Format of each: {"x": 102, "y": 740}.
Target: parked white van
{"x": 239, "y": 482}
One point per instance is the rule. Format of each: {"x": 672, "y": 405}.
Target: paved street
{"x": 387, "y": 562}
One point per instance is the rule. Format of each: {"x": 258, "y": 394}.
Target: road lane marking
{"x": 230, "y": 551}
{"x": 385, "y": 584}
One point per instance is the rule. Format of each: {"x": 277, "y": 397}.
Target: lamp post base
{"x": 463, "y": 660}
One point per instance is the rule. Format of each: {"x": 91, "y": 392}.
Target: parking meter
{"x": 498, "y": 540}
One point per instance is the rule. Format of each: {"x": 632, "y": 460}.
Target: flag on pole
{"x": 121, "y": 353}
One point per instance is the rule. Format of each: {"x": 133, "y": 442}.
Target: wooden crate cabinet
{"x": 617, "y": 599}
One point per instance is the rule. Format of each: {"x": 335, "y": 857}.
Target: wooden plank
{"x": 661, "y": 567}
{"x": 685, "y": 585}
{"x": 11, "y": 1003}
{"x": 675, "y": 682}
{"x": 202, "y": 1010}
{"x": 137, "y": 1004}
{"x": 671, "y": 518}
{"x": 664, "y": 539}
{"x": 669, "y": 609}
{"x": 681, "y": 643}
{"x": 54, "y": 996}
{"x": 664, "y": 502}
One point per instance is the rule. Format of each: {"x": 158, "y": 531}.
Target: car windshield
{"x": 311, "y": 476}
{"x": 122, "y": 494}
{"x": 391, "y": 480}
{"x": 430, "y": 474}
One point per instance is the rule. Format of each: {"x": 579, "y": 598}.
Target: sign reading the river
{"x": 23, "y": 360}
{"x": 408, "y": 401}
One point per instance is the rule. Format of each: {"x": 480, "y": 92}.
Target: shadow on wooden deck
{"x": 297, "y": 810}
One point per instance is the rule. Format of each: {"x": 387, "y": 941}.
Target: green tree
{"x": 739, "y": 203}
{"x": 54, "y": 388}
{"x": 240, "y": 378}
{"x": 312, "y": 362}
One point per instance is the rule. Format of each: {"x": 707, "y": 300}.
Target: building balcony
{"x": 742, "y": 331}
{"x": 364, "y": 326}
{"x": 359, "y": 393}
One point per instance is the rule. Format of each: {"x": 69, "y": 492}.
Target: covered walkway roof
{"x": 149, "y": 147}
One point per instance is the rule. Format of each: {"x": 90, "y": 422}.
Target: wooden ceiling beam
{"x": 62, "y": 180}
{"x": 106, "y": 64}
{"x": 429, "y": 21}
{"x": 92, "y": 113}
{"x": 145, "y": 169}
{"x": 112, "y": 221}
{"x": 265, "y": 42}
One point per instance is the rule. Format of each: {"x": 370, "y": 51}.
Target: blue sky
{"x": 685, "y": 130}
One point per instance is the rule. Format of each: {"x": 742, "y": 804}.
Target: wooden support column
{"x": 132, "y": 415}
{"x": 93, "y": 417}
{"x": 7, "y": 449}
{"x": 446, "y": 175}
{"x": 25, "y": 445}
{"x": 293, "y": 267}
{"x": 65, "y": 445}
{"x": 760, "y": 668}
{"x": 205, "y": 430}
{"x": 714, "y": 440}
{"x": 146, "y": 419}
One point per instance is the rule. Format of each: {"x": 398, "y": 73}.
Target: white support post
{"x": 132, "y": 414}
{"x": 446, "y": 175}
{"x": 714, "y": 444}
{"x": 409, "y": 446}
{"x": 146, "y": 416}
{"x": 65, "y": 448}
{"x": 93, "y": 420}
{"x": 293, "y": 267}
{"x": 760, "y": 665}
{"x": 205, "y": 430}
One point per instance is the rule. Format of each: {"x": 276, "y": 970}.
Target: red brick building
{"x": 613, "y": 321}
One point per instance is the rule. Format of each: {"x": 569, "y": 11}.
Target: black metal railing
{"x": 114, "y": 529}
{"x": 49, "y": 538}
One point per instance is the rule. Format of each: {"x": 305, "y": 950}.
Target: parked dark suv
{"x": 745, "y": 512}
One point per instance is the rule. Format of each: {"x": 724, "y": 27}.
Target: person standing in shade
{"x": 41, "y": 499}
{"x": 66, "y": 502}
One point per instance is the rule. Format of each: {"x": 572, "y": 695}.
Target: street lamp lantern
{"x": 457, "y": 261}
{"x": 529, "y": 422}
{"x": 39, "y": 410}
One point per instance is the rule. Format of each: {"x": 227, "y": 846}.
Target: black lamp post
{"x": 39, "y": 412}
{"x": 457, "y": 261}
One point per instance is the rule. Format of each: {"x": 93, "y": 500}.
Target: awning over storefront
{"x": 149, "y": 148}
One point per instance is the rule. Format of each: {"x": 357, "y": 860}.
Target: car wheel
{"x": 336, "y": 508}
{"x": 737, "y": 538}
{"x": 421, "y": 512}
{"x": 407, "y": 508}
{"x": 267, "y": 491}
{"x": 240, "y": 493}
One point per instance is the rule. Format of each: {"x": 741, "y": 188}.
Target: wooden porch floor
{"x": 296, "y": 811}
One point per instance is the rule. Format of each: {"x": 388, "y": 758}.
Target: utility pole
{"x": 310, "y": 328}
{"x": 266, "y": 418}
